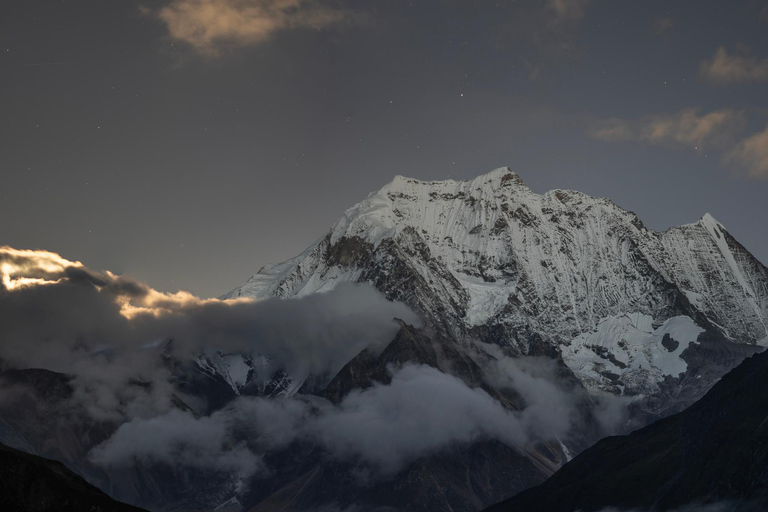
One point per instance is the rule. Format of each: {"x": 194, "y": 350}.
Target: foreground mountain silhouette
{"x": 714, "y": 452}
{"x": 33, "y": 484}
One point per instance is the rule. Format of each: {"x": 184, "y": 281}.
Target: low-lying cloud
{"x": 420, "y": 412}
{"x": 109, "y": 331}
{"x": 381, "y": 429}
{"x": 552, "y": 403}
{"x": 113, "y": 334}
{"x": 378, "y": 430}
{"x": 178, "y": 439}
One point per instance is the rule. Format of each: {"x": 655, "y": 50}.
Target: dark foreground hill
{"x": 714, "y": 452}
{"x": 33, "y": 484}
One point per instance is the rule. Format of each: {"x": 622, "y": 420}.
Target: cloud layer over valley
{"x": 115, "y": 337}
{"x": 108, "y": 330}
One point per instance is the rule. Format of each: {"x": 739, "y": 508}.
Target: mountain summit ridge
{"x": 490, "y": 260}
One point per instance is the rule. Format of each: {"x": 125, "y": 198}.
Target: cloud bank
{"x": 110, "y": 331}
{"x": 112, "y": 334}
{"x": 381, "y": 429}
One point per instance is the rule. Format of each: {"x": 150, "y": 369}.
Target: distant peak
{"x": 708, "y": 220}
{"x": 500, "y": 172}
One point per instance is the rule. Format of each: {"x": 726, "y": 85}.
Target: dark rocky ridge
{"x": 462, "y": 478}
{"x": 33, "y": 484}
{"x": 715, "y": 451}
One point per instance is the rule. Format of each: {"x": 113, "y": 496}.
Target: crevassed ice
{"x": 629, "y": 347}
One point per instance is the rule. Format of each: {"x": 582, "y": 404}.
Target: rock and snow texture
{"x": 255, "y": 375}
{"x": 234, "y": 369}
{"x": 489, "y": 259}
{"x": 719, "y": 277}
{"x": 632, "y": 355}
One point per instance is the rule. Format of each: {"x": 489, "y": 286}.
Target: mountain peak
{"x": 499, "y": 177}
{"x": 708, "y": 220}
{"x": 491, "y": 251}
{"x": 503, "y": 174}
{"x": 436, "y": 209}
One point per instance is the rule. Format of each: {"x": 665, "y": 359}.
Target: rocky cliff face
{"x": 558, "y": 273}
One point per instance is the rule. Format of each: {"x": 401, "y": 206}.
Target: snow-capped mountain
{"x": 492, "y": 261}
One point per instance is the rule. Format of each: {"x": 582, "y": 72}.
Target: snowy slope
{"x": 489, "y": 259}
{"x": 234, "y": 369}
{"x": 634, "y": 355}
{"x": 253, "y": 375}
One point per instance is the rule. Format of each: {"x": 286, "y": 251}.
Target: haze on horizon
{"x": 191, "y": 146}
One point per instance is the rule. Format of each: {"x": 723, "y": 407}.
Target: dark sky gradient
{"x": 130, "y": 150}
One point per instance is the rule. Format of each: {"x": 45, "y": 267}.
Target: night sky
{"x": 190, "y": 142}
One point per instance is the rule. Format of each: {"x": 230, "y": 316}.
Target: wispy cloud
{"x": 728, "y": 69}
{"x": 687, "y": 127}
{"x": 751, "y": 154}
{"x": 717, "y": 130}
{"x": 662, "y": 27}
{"x": 761, "y": 7}
{"x": 568, "y": 11}
{"x": 538, "y": 35}
{"x": 212, "y": 25}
